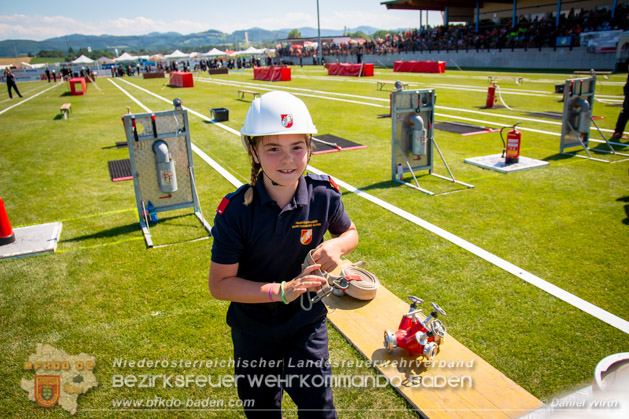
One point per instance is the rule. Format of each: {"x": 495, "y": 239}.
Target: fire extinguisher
{"x": 491, "y": 96}
{"x": 511, "y": 150}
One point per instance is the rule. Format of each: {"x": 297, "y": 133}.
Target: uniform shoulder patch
{"x": 225, "y": 201}
{"x": 325, "y": 178}
{"x": 334, "y": 185}
{"x": 222, "y": 205}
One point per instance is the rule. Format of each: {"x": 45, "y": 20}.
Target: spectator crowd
{"x": 534, "y": 33}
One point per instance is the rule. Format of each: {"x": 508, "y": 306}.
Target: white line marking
{"x": 28, "y": 98}
{"x": 296, "y": 90}
{"x": 140, "y": 104}
{"x": 554, "y": 290}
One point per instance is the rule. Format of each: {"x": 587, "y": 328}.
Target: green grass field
{"x": 104, "y": 294}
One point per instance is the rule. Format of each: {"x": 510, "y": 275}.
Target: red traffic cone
{"x": 6, "y": 232}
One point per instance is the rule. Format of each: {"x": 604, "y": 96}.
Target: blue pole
{"x": 514, "y": 8}
{"x": 558, "y": 13}
{"x": 614, "y": 8}
{"x": 319, "y": 46}
{"x": 447, "y": 19}
{"x": 477, "y": 16}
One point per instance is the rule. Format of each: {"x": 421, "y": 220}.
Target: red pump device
{"x": 511, "y": 150}
{"x": 416, "y": 336}
{"x": 491, "y": 96}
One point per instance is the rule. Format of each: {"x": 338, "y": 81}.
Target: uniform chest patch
{"x": 306, "y": 236}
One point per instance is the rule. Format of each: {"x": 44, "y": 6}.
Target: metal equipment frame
{"x": 173, "y": 128}
{"x": 403, "y": 104}
{"x": 576, "y": 90}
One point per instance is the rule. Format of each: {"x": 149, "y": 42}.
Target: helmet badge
{"x": 287, "y": 120}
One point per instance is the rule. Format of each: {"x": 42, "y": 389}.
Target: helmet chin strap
{"x": 274, "y": 183}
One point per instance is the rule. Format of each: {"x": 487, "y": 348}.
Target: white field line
{"x": 140, "y": 104}
{"x": 318, "y": 95}
{"x": 514, "y": 92}
{"x": 296, "y": 91}
{"x": 239, "y": 84}
{"x": 24, "y": 93}
{"x": 557, "y": 292}
{"x": 28, "y": 98}
{"x": 459, "y": 86}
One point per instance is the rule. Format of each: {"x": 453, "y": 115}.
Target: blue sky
{"x": 42, "y": 19}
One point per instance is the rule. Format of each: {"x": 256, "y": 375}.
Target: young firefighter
{"x": 262, "y": 234}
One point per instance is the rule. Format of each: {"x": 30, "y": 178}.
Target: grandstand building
{"x": 523, "y": 34}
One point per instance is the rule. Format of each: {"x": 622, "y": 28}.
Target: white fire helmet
{"x": 276, "y": 113}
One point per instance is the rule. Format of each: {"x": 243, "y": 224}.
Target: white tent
{"x": 125, "y": 57}
{"x": 250, "y": 51}
{"x": 177, "y": 54}
{"x": 214, "y": 52}
{"x": 157, "y": 57}
{"x": 105, "y": 60}
{"x": 83, "y": 60}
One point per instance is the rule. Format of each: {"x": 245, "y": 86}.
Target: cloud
{"x": 38, "y": 28}
{"x": 389, "y": 19}
{"x": 142, "y": 25}
{"x": 286, "y": 20}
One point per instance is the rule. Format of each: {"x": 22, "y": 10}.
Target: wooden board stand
{"x": 458, "y": 384}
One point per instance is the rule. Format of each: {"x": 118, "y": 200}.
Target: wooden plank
{"x": 241, "y": 93}
{"x": 65, "y": 110}
{"x": 381, "y": 83}
{"x": 458, "y": 384}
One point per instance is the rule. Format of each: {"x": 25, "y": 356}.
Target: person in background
{"x": 10, "y": 79}
{"x": 624, "y": 115}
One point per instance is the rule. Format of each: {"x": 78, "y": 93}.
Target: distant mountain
{"x": 164, "y": 42}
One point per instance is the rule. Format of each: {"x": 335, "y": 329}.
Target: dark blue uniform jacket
{"x": 271, "y": 243}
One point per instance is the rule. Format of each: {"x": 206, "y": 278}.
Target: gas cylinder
{"x": 491, "y": 96}
{"x": 514, "y": 139}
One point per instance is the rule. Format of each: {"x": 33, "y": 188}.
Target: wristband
{"x": 282, "y": 289}
{"x": 271, "y": 292}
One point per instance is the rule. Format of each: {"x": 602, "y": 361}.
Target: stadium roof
{"x": 435, "y": 4}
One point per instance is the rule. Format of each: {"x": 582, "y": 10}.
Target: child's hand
{"x": 302, "y": 283}
{"x": 328, "y": 255}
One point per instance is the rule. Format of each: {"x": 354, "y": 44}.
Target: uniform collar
{"x": 299, "y": 199}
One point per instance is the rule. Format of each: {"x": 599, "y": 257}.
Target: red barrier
{"x": 77, "y": 81}
{"x": 181, "y": 79}
{"x": 271, "y": 73}
{"x": 346, "y": 69}
{"x": 420, "y": 66}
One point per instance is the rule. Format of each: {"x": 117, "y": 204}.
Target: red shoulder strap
{"x": 334, "y": 185}
{"x": 222, "y": 206}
